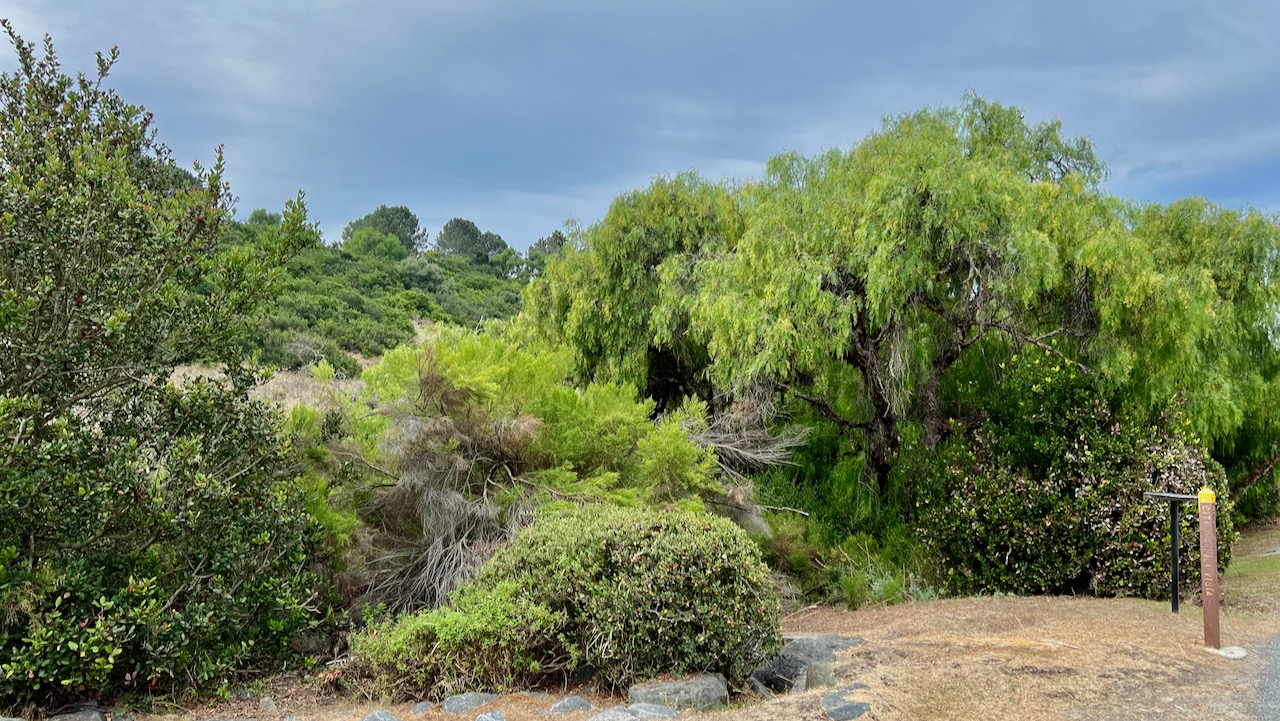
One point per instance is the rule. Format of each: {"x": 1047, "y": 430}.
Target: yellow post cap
{"x": 1208, "y": 496}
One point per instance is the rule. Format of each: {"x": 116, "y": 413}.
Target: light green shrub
{"x": 629, "y": 593}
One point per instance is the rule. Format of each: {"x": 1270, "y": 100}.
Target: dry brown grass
{"x": 285, "y": 389}
{"x": 1024, "y": 659}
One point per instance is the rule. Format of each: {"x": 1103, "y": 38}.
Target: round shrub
{"x": 630, "y": 593}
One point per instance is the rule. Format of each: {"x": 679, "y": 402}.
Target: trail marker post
{"x": 1209, "y": 566}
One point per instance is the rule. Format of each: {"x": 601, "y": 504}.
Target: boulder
{"x": 617, "y": 713}
{"x": 87, "y": 714}
{"x": 569, "y": 705}
{"x": 380, "y": 715}
{"x": 699, "y": 692}
{"x": 267, "y": 706}
{"x": 465, "y": 702}
{"x": 797, "y": 655}
{"x": 491, "y": 716}
{"x": 839, "y": 706}
{"x": 652, "y": 712}
{"x": 422, "y": 708}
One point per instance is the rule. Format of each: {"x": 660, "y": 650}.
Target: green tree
{"x": 882, "y": 287}
{"x": 601, "y": 294}
{"x": 132, "y": 513}
{"x": 464, "y": 238}
{"x": 367, "y": 242}
{"x": 398, "y": 221}
{"x": 542, "y": 251}
{"x": 863, "y": 276}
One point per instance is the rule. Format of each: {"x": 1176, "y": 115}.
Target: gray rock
{"x": 701, "y": 692}
{"x": 120, "y": 716}
{"x": 380, "y": 715}
{"x": 569, "y": 705}
{"x": 761, "y": 690}
{"x": 88, "y": 714}
{"x": 267, "y": 706}
{"x": 617, "y": 713}
{"x": 838, "y": 706}
{"x": 784, "y": 671}
{"x": 310, "y": 643}
{"x": 652, "y": 712}
{"x": 10, "y": 718}
{"x": 465, "y": 702}
{"x": 491, "y": 716}
{"x": 819, "y": 675}
{"x": 422, "y": 708}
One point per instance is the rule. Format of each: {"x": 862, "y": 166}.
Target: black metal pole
{"x": 1173, "y": 547}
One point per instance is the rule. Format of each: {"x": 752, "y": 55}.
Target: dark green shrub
{"x": 1048, "y": 496}
{"x": 169, "y": 558}
{"x": 629, "y": 593}
{"x": 148, "y": 535}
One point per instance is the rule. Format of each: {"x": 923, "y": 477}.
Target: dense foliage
{"x": 149, "y": 535}
{"x": 943, "y": 355}
{"x": 366, "y": 296}
{"x": 1047, "y": 496}
{"x": 631, "y": 594}
{"x": 463, "y": 434}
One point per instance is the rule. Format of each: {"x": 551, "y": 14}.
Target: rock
{"x": 88, "y": 714}
{"x": 569, "y": 705}
{"x": 267, "y": 706}
{"x": 422, "y": 708}
{"x": 120, "y": 716}
{"x": 464, "y": 702}
{"x": 784, "y": 671}
{"x": 380, "y": 715}
{"x": 838, "y": 706}
{"x": 310, "y": 643}
{"x": 652, "y": 712}
{"x": 617, "y": 713}
{"x": 819, "y": 675}
{"x": 761, "y": 690}
{"x": 701, "y": 692}
{"x": 491, "y": 716}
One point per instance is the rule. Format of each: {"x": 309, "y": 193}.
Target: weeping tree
{"x": 883, "y": 286}
{"x": 863, "y": 276}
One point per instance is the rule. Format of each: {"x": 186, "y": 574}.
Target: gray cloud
{"x": 520, "y": 115}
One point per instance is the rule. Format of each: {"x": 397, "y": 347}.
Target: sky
{"x": 523, "y": 115}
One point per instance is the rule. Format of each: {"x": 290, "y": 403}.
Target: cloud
{"x": 519, "y": 115}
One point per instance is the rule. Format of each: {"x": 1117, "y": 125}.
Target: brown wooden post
{"x": 1209, "y": 566}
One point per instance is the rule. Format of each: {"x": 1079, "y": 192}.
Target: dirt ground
{"x": 967, "y": 659}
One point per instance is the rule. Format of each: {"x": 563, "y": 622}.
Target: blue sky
{"x": 521, "y": 115}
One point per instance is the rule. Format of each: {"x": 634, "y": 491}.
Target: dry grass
{"x": 285, "y": 389}
{"x": 1026, "y": 659}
